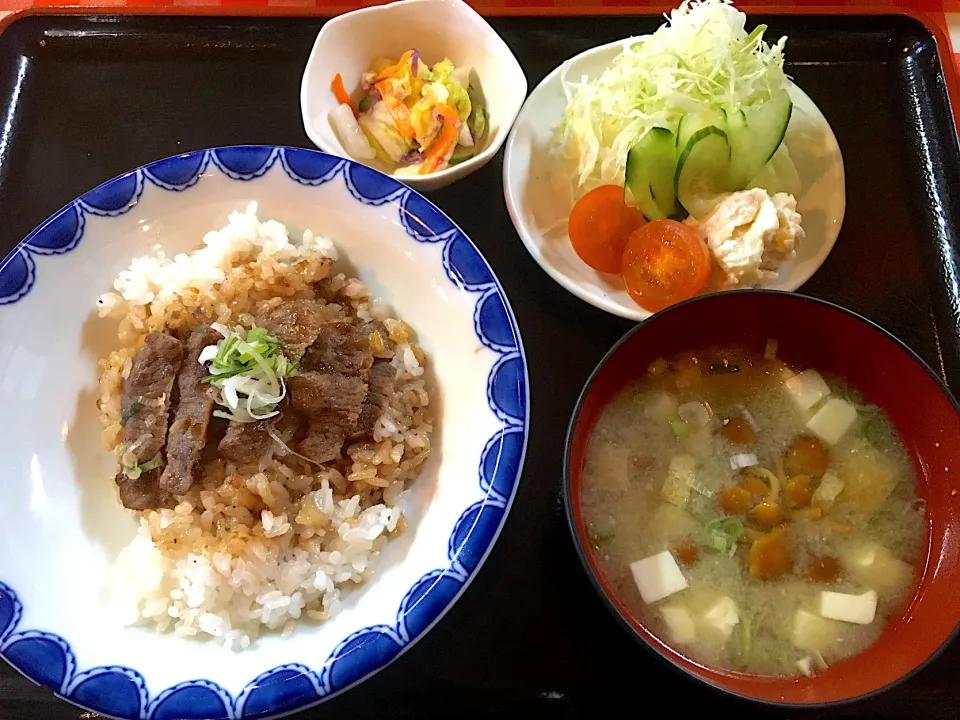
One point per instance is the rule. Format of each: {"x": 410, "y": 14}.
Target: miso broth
{"x": 769, "y": 515}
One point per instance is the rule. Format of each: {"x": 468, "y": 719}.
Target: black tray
{"x": 84, "y": 98}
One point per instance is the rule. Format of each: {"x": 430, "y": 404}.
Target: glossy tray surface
{"x": 84, "y": 98}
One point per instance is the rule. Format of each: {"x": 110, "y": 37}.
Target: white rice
{"x": 263, "y": 547}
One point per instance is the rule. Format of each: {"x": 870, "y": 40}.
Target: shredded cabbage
{"x": 458, "y": 98}
{"x": 703, "y": 57}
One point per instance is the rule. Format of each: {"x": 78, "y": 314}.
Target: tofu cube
{"x": 827, "y": 491}
{"x": 670, "y": 524}
{"x": 676, "y": 488}
{"x": 613, "y": 465}
{"x": 699, "y": 443}
{"x": 872, "y": 564}
{"x": 813, "y": 634}
{"x": 662, "y": 409}
{"x": 806, "y": 389}
{"x": 680, "y": 625}
{"x": 868, "y": 477}
{"x": 859, "y": 609}
{"x": 719, "y": 620}
{"x": 832, "y": 421}
{"x": 657, "y": 576}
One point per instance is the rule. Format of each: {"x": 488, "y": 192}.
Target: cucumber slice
{"x": 755, "y": 134}
{"x": 703, "y": 171}
{"x": 695, "y": 121}
{"x": 651, "y": 166}
{"x": 779, "y": 175}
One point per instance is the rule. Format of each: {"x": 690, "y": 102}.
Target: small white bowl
{"x": 539, "y": 193}
{"x": 437, "y": 28}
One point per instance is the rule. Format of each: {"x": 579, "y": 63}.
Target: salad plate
{"x": 540, "y": 187}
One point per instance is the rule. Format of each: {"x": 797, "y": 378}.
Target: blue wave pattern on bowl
{"x": 122, "y": 692}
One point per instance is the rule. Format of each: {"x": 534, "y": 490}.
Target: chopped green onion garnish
{"x": 723, "y": 534}
{"x": 873, "y": 428}
{"x": 135, "y": 406}
{"x": 477, "y": 120}
{"x": 152, "y": 464}
{"x": 137, "y": 470}
{"x": 248, "y": 370}
{"x": 600, "y": 539}
{"x": 678, "y": 426}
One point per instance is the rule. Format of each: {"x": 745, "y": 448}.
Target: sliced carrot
{"x": 398, "y": 110}
{"x": 395, "y": 70}
{"x": 444, "y": 141}
{"x": 339, "y": 90}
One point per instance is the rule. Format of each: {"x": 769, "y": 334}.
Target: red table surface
{"x": 938, "y": 15}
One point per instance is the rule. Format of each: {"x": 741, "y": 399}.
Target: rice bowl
{"x": 62, "y": 504}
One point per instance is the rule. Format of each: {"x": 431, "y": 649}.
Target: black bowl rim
{"x": 579, "y": 543}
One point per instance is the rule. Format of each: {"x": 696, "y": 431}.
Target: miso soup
{"x": 755, "y": 517}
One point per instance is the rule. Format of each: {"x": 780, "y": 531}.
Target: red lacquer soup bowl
{"x": 811, "y": 333}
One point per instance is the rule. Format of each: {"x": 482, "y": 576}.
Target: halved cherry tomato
{"x": 600, "y": 225}
{"x": 665, "y": 262}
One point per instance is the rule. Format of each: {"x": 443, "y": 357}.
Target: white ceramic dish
{"x": 539, "y": 196}
{"x": 63, "y": 525}
{"x": 347, "y": 44}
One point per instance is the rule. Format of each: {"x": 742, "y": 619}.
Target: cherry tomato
{"x": 600, "y": 225}
{"x": 665, "y": 262}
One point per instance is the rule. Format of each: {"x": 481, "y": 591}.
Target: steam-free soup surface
{"x": 753, "y": 516}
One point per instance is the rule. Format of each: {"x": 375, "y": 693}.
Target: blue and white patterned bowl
{"x": 62, "y": 525}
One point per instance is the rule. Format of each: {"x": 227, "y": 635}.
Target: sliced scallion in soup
{"x": 755, "y": 517}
